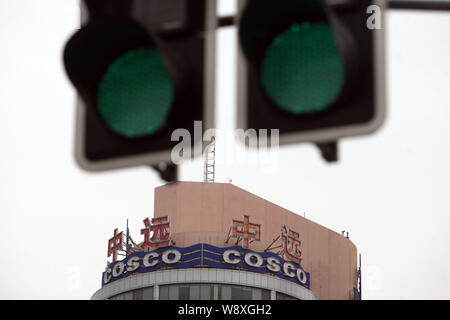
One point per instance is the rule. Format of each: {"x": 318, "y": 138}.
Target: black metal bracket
{"x": 329, "y": 151}
{"x": 167, "y": 171}
{"x": 226, "y": 21}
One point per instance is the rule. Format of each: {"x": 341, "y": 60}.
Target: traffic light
{"x": 312, "y": 69}
{"x": 141, "y": 69}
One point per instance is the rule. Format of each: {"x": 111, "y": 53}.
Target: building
{"x": 217, "y": 241}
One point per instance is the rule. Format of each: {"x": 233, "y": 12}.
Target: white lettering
{"x": 301, "y": 276}
{"x": 252, "y": 256}
{"x": 227, "y": 259}
{"x": 147, "y": 257}
{"x": 107, "y": 277}
{"x": 133, "y": 264}
{"x": 287, "y": 267}
{"x": 273, "y": 264}
{"x": 166, "y": 256}
{"x": 118, "y": 269}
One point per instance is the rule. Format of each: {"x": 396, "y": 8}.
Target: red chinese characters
{"x": 291, "y": 244}
{"x": 246, "y": 230}
{"x": 160, "y": 237}
{"x": 115, "y": 244}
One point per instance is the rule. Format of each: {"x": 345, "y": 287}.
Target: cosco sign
{"x": 205, "y": 255}
{"x": 149, "y": 260}
{"x": 272, "y": 264}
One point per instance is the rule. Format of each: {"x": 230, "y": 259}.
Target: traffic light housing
{"x": 141, "y": 69}
{"x": 312, "y": 69}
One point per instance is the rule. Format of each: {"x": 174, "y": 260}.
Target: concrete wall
{"x": 203, "y": 212}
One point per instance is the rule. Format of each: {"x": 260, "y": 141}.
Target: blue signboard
{"x": 205, "y": 255}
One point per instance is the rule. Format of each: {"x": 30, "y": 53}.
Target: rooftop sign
{"x": 205, "y": 255}
{"x": 156, "y": 251}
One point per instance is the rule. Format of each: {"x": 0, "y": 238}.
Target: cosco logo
{"x": 149, "y": 260}
{"x": 272, "y": 264}
{"x": 203, "y": 255}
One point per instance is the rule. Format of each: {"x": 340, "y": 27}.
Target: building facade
{"x": 215, "y": 241}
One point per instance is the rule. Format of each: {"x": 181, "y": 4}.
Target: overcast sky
{"x": 390, "y": 190}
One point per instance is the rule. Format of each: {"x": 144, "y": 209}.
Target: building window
{"x": 187, "y": 292}
{"x": 211, "y": 292}
{"x": 227, "y": 292}
{"x": 184, "y": 293}
{"x": 282, "y": 296}
{"x": 201, "y": 292}
{"x": 138, "y": 294}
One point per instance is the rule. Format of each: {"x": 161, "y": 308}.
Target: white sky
{"x": 391, "y": 190}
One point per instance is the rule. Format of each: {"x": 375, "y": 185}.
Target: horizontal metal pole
{"x": 438, "y": 5}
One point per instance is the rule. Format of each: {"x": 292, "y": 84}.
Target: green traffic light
{"x": 136, "y": 93}
{"x": 302, "y": 70}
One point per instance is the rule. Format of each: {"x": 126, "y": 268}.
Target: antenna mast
{"x": 210, "y": 162}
